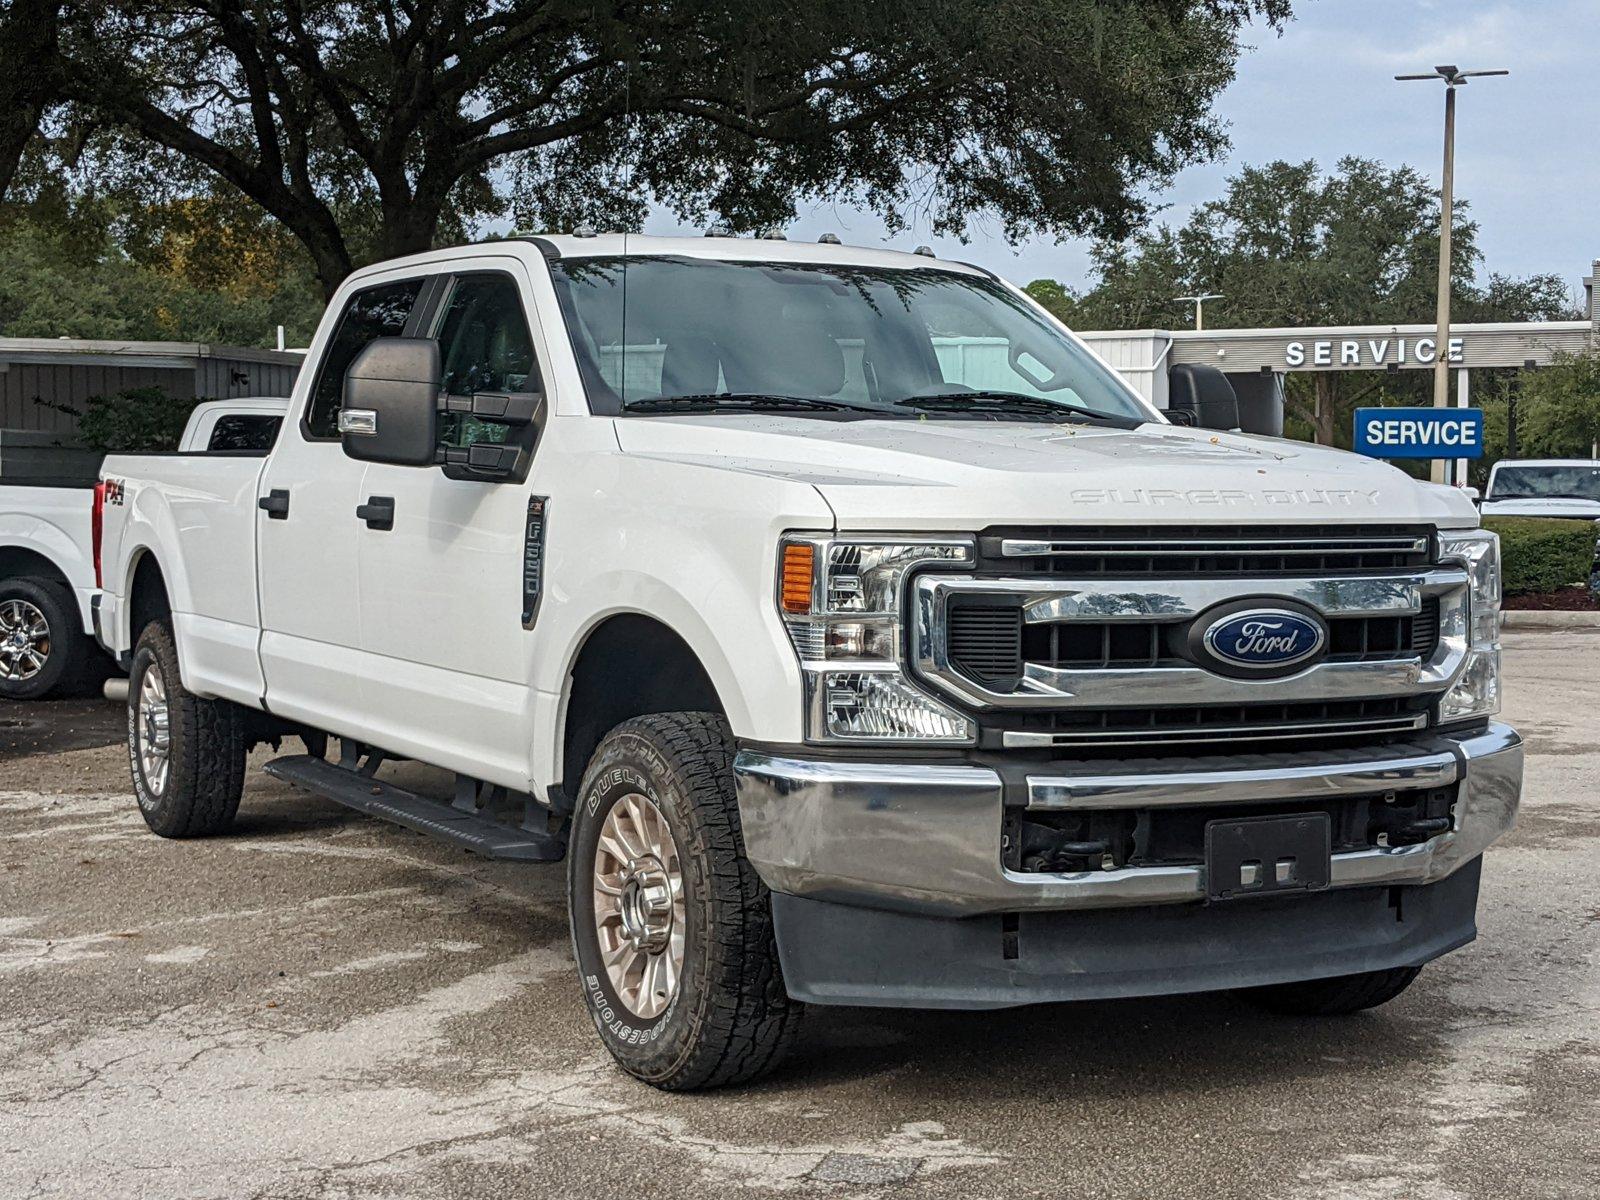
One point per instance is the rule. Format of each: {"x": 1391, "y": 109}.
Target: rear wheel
{"x": 186, "y": 754}
{"x": 42, "y": 646}
{"x": 1336, "y": 997}
{"x": 671, "y": 927}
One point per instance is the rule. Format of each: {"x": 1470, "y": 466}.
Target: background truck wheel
{"x": 187, "y": 754}
{"x": 1336, "y": 997}
{"x": 42, "y": 646}
{"x": 671, "y": 927}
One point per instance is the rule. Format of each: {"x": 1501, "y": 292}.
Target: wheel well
{"x": 631, "y": 665}
{"x": 147, "y": 598}
{"x": 16, "y": 560}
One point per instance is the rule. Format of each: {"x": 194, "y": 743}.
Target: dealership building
{"x": 1256, "y": 361}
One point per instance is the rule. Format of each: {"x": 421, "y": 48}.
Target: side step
{"x": 492, "y": 839}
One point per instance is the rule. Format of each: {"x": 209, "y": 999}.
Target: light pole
{"x": 1453, "y": 78}
{"x": 1199, "y": 303}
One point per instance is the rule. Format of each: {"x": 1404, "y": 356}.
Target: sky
{"x": 1527, "y": 145}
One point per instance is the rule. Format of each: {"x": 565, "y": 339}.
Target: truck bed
{"x": 211, "y": 499}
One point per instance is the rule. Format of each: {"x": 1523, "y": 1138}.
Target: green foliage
{"x": 1558, "y": 413}
{"x": 86, "y": 271}
{"x": 1053, "y": 116}
{"x": 1542, "y": 554}
{"x": 134, "y": 421}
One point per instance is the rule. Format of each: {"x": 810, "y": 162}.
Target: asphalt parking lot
{"x": 319, "y": 1005}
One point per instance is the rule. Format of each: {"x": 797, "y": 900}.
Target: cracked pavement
{"x": 320, "y": 1005}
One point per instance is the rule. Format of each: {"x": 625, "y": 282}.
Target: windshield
{"x": 672, "y": 334}
{"x": 1576, "y": 482}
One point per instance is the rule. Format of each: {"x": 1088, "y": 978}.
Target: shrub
{"x": 134, "y": 421}
{"x": 1541, "y": 554}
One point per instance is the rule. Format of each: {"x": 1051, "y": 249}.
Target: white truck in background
{"x": 47, "y": 546}
{"x": 1543, "y": 487}
{"x": 855, "y": 634}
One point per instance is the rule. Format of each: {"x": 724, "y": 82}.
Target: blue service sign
{"x": 1419, "y": 432}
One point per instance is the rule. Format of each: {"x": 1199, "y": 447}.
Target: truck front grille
{"x": 989, "y": 641}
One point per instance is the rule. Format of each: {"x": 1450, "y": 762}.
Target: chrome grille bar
{"x": 1240, "y": 547}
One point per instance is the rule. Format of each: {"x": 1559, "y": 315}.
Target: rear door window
{"x": 241, "y": 432}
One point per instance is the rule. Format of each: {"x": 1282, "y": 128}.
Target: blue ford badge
{"x": 1264, "y": 639}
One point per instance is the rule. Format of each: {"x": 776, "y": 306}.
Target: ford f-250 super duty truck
{"x": 47, "y": 523}
{"x": 853, "y": 632}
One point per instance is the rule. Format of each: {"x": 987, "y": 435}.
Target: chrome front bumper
{"x": 925, "y": 837}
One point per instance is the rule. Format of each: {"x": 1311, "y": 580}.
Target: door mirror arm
{"x": 523, "y": 413}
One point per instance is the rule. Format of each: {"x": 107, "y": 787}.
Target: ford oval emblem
{"x": 1264, "y": 639}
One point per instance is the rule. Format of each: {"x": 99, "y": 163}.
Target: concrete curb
{"x": 1529, "y": 618}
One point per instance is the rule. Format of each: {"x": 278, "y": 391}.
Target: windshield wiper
{"x": 739, "y": 401}
{"x": 999, "y": 403}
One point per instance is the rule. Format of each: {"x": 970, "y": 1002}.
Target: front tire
{"x": 1336, "y": 997}
{"x": 186, "y": 754}
{"x": 671, "y": 927}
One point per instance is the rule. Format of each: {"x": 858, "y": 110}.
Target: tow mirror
{"x": 1205, "y": 394}
{"x": 1473, "y": 494}
{"x": 391, "y": 402}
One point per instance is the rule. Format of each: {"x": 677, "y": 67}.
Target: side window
{"x": 244, "y": 431}
{"x": 374, "y": 312}
{"x": 486, "y": 347}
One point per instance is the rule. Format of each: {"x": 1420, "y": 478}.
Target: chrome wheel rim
{"x": 153, "y": 730}
{"x": 24, "y": 640}
{"x": 639, "y": 906}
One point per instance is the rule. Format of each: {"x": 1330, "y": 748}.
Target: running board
{"x": 447, "y": 823}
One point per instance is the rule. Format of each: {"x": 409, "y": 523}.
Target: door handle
{"x": 377, "y": 512}
{"x": 275, "y": 504}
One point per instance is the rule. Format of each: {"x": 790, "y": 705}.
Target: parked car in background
{"x": 48, "y": 502}
{"x": 857, "y": 635}
{"x": 1543, "y": 487}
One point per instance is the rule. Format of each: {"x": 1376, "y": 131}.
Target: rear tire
{"x": 42, "y": 646}
{"x": 1336, "y": 997}
{"x": 186, "y": 754}
{"x": 686, "y": 922}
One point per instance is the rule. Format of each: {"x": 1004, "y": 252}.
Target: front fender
{"x": 694, "y": 548}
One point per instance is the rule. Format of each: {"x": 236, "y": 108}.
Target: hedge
{"x": 1541, "y": 554}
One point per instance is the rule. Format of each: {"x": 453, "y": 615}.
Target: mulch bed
{"x": 1572, "y": 599}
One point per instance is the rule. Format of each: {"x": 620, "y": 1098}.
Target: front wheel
{"x": 671, "y": 927}
{"x": 186, "y": 754}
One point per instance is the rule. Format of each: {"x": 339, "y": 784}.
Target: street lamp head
{"x": 1452, "y": 75}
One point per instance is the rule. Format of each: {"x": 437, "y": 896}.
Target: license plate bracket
{"x": 1268, "y": 856}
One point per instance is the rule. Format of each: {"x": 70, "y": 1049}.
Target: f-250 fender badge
{"x": 533, "y": 560}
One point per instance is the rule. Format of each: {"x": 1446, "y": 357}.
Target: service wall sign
{"x": 1419, "y": 432}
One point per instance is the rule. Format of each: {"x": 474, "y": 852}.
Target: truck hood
{"x": 902, "y": 474}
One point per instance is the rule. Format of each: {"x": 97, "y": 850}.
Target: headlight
{"x": 841, "y": 600}
{"x": 1477, "y": 691}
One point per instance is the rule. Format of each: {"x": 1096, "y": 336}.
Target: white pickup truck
{"x": 47, "y": 575}
{"x": 1544, "y": 487}
{"x": 854, "y": 633}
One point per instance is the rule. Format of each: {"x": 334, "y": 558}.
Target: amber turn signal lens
{"x": 799, "y": 562}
